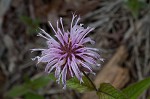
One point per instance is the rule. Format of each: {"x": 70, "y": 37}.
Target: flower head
{"x": 68, "y": 55}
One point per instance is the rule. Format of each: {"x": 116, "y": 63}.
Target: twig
{"x": 31, "y": 9}
{"x": 90, "y": 81}
{"x": 147, "y": 48}
{"x": 137, "y": 61}
{"x": 138, "y": 66}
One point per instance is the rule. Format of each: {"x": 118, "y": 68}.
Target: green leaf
{"x": 107, "y": 91}
{"x": 134, "y": 6}
{"x": 26, "y": 78}
{"x": 29, "y": 21}
{"x": 31, "y": 95}
{"x": 33, "y": 84}
{"x": 135, "y": 90}
{"x": 18, "y": 91}
{"x": 84, "y": 86}
{"x": 41, "y": 81}
{"x": 32, "y": 25}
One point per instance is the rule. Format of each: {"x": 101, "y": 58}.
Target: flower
{"x": 68, "y": 55}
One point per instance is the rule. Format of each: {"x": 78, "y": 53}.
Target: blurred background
{"x": 122, "y": 33}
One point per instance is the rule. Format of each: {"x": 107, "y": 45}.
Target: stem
{"x": 90, "y": 81}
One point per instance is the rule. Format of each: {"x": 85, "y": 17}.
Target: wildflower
{"x": 68, "y": 55}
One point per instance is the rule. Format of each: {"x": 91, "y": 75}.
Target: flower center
{"x": 69, "y": 49}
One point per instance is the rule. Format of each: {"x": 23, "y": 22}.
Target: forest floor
{"x": 122, "y": 33}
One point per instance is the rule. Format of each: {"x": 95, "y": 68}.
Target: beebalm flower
{"x": 67, "y": 55}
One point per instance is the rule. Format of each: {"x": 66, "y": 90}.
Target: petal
{"x": 50, "y": 64}
{"x": 64, "y": 73}
{"x": 57, "y": 71}
{"x": 93, "y": 49}
{"x": 53, "y": 43}
{"x": 45, "y": 58}
{"x": 37, "y": 49}
{"x": 56, "y": 50}
{"x": 66, "y": 37}
{"x": 73, "y": 17}
{"x": 75, "y": 33}
{"x": 75, "y": 68}
{"x": 46, "y": 34}
{"x": 48, "y": 57}
{"x": 81, "y": 50}
{"x": 59, "y": 37}
{"x": 41, "y": 35}
{"x": 93, "y": 55}
{"x": 85, "y": 65}
{"x": 52, "y": 68}
{"x": 86, "y": 40}
{"x": 59, "y": 34}
{"x": 90, "y": 60}
{"x": 69, "y": 65}
{"x": 85, "y": 33}
{"x": 52, "y": 27}
{"x": 62, "y": 24}
{"x": 59, "y": 63}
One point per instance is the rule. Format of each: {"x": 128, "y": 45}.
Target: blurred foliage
{"x": 32, "y": 25}
{"x": 105, "y": 91}
{"x": 18, "y": 90}
{"x": 135, "y": 90}
{"x": 27, "y": 87}
{"x": 31, "y": 95}
{"x": 135, "y": 6}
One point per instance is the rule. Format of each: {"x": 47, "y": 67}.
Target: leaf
{"x": 135, "y": 6}
{"x": 84, "y": 86}
{"x": 18, "y": 91}
{"x": 107, "y": 91}
{"x": 31, "y": 95}
{"x": 33, "y": 84}
{"x": 32, "y": 25}
{"x": 135, "y": 90}
{"x": 41, "y": 81}
{"x": 29, "y": 21}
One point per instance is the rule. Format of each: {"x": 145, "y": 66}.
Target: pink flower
{"x": 68, "y": 55}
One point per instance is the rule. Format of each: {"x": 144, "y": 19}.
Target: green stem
{"x": 90, "y": 81}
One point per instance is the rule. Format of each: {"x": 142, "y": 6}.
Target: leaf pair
{"x": 107, "y": 91}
